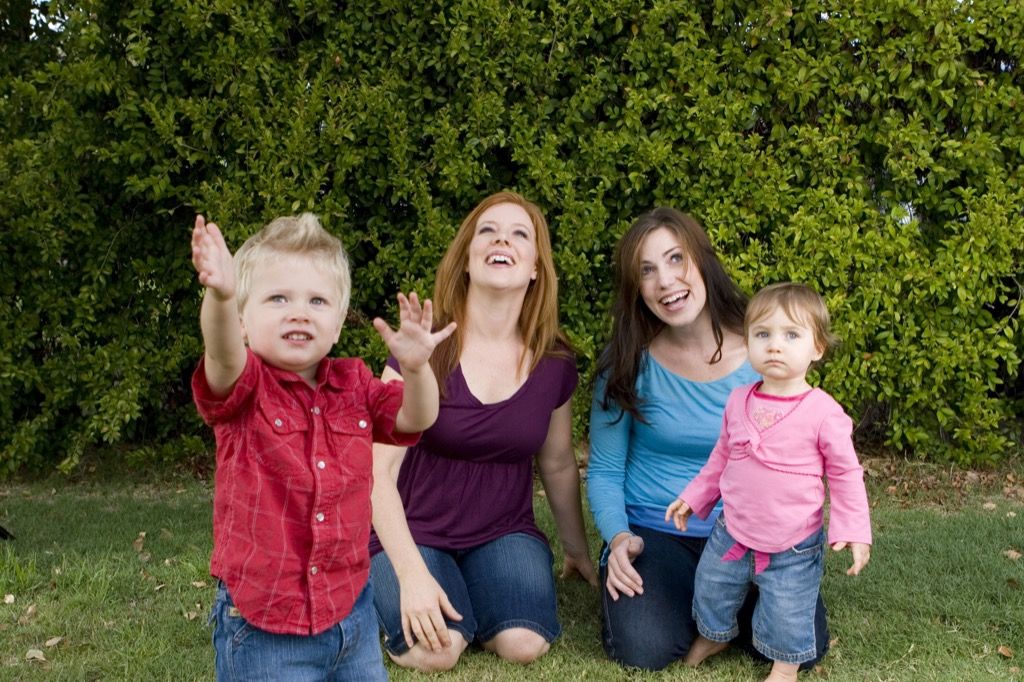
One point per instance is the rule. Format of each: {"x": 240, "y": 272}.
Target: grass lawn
{"x": 87, "y": 596}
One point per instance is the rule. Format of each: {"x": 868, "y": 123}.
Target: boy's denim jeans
{"x": 349, "y": 650}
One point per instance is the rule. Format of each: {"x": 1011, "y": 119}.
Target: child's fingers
{"x": 383, "y": 329}
{"x": 861, "y": 556}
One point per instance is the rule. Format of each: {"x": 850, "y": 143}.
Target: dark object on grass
{"x": 6, "y": 534}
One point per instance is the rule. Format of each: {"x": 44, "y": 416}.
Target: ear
{"x": 533, "y": 276}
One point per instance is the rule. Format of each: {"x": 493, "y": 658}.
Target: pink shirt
{"x": 770, "y": 481}
{"x": 291, "y": 503}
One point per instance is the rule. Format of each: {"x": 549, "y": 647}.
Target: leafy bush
{"x": 873, "y": 152}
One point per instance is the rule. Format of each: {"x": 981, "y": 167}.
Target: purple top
{"x": 470, "y": 478}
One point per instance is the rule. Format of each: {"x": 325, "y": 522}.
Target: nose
{"x": 500, "y": 235}
{"x": 298, "y": 311}
{"x": 666, "y": 277}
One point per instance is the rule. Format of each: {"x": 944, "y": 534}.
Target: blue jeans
{"x": 652, "y": 630}
{"x": 349, "y": 650}
{"x": 505, "y": 583}
{"x": 783, "y": 620}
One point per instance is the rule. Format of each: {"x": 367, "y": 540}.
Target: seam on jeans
{"x": 404, "y": 648}
{"x": 548, "y": 636}
{"x": 799, "y": 657}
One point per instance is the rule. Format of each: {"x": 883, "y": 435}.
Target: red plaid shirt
{"x": 291, "y": 505}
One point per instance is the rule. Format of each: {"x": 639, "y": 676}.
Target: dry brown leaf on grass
{"x": 1005, "y": 651}
{"x": 198, "y": 583}
{"x": 54, "y": 641}
{"x": 192, "y": 614}
{"x": 29, "y": 614}
{"x": 8, "y": 598}
{"x": 138, "y": 542}
{"x": 1012, "y": 554}
{"x": 988, "y": 506}
{"x": 34, "y": 655}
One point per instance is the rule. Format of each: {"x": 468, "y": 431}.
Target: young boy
{"x": 294, "y": 430}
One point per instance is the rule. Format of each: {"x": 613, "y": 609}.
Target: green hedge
{"x": 873, "y": 152}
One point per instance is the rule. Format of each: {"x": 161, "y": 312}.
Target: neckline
{"x": 793, "y": 410}
{"x": 663, "y": 368}
{"x": 477, "y": 401}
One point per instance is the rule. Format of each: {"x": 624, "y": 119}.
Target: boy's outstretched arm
{"x": 218, "y": 318}
{"x": 412, "y": 345}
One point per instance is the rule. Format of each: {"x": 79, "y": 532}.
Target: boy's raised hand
{"x": 861, "y": 555}
{"x": 678, "y": 512}
{"x": 212, "y": 259}
{"x": 413, "y": 343}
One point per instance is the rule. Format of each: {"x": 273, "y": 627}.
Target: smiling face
{"x": 670, "y": 284}
{"x": 292, "y": 316}
{"x": 503, "y": 251}
{"x": 781, "y": 350}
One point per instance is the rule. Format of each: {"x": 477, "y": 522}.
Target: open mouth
{"x": 672, "y": 299}
{"x": 298, "y": 336}
{"x": 500, "y": 259}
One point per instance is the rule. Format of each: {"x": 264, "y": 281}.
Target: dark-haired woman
{"x": 676, "y": 353}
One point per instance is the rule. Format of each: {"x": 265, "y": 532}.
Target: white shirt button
{"x": 320, "y": 516}
{"x": 278, "y": 423}
{"x": 314, "y": 570}
{"x": 362, "y": 423}
{"x": 316, "y": 410}
{"x": 320, "y": 464}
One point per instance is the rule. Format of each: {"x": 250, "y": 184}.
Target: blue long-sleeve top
{"x": 637, "y": 469}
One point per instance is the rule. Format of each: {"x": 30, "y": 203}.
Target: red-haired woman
{"x": 464, "y": 560}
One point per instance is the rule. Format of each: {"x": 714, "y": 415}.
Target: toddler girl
{"x": 779, "y": 437}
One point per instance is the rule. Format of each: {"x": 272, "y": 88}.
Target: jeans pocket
{"x": 815, "y": 542}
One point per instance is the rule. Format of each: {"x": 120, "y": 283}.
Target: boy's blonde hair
{"x": 801, "y": 304}
{"x": 293, "y": 235}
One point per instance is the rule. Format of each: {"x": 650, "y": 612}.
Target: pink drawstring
{"x": 738, "y": 551}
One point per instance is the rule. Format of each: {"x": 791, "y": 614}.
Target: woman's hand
{"x": 424, "y": 605}
{"x": 622, "y": 577}
{"x": 581, "y": 566}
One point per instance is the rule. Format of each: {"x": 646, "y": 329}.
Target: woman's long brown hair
{"x": 634, "y": 326}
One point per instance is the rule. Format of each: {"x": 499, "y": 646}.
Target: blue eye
{"x": 316, "y": 300}
{"x": 277, "y": 298}
{"x": 792, "y": 335}
{"x": 646, "y": 270}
